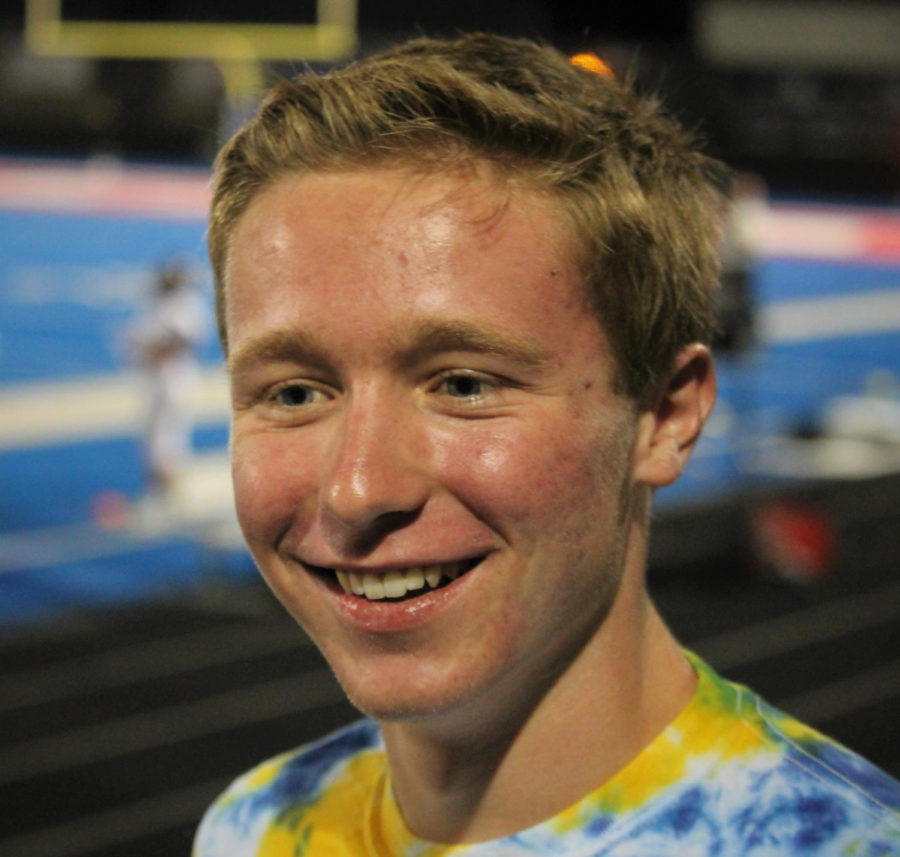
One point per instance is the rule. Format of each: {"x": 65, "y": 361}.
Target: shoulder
{"x": 238, "y": 821}
{"x": 825, "y": 789}
{"x": 779, "y": 782}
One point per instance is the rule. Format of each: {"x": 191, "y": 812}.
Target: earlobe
{"x": 669, "y": 427}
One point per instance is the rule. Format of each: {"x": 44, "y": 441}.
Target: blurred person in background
{"x": 163, "y": 341}
{"x": 466, "y": 289}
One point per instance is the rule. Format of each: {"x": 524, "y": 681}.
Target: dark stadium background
{"x": 139, "y": 673}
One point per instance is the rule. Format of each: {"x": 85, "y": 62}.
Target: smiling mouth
{"x": 401, "y": 584}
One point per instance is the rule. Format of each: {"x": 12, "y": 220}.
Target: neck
{"x": 469, "y": 776}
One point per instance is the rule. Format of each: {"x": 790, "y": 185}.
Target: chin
{"x": 398, "y": 694}
{"x": 395, "y": 710}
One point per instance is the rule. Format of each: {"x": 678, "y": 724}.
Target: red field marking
{"x": 105, "y": 189}
{"x": 881, "y": 238}
{"x": 808, "y": 232}
{"x": 849, "y": 234}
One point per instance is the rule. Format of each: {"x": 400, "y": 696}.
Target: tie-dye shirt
{"x": 729, "y": 776}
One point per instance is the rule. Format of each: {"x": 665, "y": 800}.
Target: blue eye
{"x": 464, "y": 386}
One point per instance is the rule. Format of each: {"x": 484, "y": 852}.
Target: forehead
{"x": 474, "y": 198}
{"x": 351, "y": 245}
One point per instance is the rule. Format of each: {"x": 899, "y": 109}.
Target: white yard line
{"x": 799, "y": 628}
{"x": 171, "y": 724}
{"x": 52, "y": 412}
{"x": 833, "y": 317}
{"x": 846, "y": 695}
{"x": 118, "y": 826}
{"x": 228, "y": 709}
{"x": 145, "y": 661}
{"x": 45, "y": 547}
{"x": 202, "y": 509}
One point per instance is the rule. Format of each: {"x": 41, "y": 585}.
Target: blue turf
{"x": 70, "y": 283}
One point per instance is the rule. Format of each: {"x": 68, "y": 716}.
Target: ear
{"x": 670, "y": 425}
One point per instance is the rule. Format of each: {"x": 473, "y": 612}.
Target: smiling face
{"x": 424, "y": 416}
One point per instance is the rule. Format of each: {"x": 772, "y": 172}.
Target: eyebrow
{"x": 434, "y": 337}
{"x": 277, "y": 346}
{"x": 427, "y": 339}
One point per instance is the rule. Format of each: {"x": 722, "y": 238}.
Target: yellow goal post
{"x": 237, "y": 49}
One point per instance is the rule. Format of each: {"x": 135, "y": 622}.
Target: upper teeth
{"x": 397, "y": 582}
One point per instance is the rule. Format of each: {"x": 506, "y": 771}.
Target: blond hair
{"x": 645, "y": 204}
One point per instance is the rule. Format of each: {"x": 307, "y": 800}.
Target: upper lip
{"x": 384, "y": 568}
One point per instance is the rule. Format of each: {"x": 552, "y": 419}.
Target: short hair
{"x": 645, "y": 204}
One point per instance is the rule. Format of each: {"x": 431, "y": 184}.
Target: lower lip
{"x": 394, "y": 616}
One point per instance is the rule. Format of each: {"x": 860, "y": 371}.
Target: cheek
{"x": 543, "y": 478}
{"x": 271, "y": 480}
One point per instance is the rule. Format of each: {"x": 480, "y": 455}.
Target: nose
{"x": 375, "y": 480}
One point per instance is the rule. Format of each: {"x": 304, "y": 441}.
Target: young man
{"x": 464, "y": 289}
